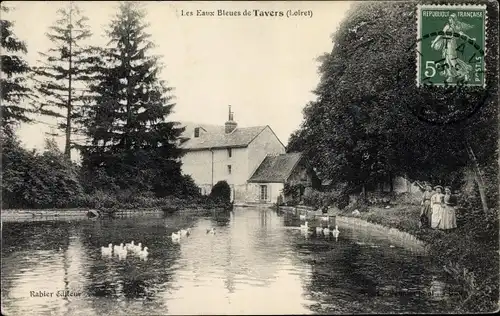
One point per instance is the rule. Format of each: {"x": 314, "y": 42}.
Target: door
{"x": 263, "y": 193}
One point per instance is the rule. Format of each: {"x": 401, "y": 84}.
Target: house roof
{"x": 276, "y": 168}
{"x": 213, "y": 136}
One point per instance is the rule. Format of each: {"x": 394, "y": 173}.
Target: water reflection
{"x": 256, "y": 263}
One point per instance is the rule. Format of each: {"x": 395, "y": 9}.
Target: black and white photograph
{"x": 249, "y": 157}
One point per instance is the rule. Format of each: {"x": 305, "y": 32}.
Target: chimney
{"x": 230, "y": 124}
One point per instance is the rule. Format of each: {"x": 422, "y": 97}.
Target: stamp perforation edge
{"x": 454, "y": 6}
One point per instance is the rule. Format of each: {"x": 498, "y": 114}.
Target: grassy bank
{"x": 469, "y": 253}
{"x": 111, "y": 203}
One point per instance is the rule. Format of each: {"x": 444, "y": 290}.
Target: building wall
{"x": 198, "y": 164}
{"x": 264, "y": 144}
{"x": 273, "y": 191}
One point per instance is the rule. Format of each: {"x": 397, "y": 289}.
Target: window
{"x": 229, "y": 152}
{"x": 196, "y": 132}
{"x": 229, "y": 169}
{"x": 263, "y": 192}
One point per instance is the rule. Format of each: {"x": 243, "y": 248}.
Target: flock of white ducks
{"x": 121, "y": 251}
{"x": 320, "y": 230}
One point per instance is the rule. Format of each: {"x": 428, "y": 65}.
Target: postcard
{"x": 249, "y": 157}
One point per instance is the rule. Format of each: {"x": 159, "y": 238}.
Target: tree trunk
{"x": 67, "y": 147}
{"x": 391, "y": 182}
{"x": 363, "y": 192}
{"x": 477, "y": 176}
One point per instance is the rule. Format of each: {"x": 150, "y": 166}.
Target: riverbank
{"x": 188, "y": 208}
{"x": 464, "y": 254}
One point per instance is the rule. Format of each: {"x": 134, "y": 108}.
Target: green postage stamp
{"x": 451, "y": 45}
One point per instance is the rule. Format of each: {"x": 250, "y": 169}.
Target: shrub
{"x": 338, "y": 199}
{"x": 34, "y": 180}
{"x": 359, "y": 204}
{"x": 221, "y": 192}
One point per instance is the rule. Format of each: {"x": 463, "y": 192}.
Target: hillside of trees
{"x": 112, "y": 96}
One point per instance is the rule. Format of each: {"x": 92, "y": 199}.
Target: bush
{"x": 359, "y": 204}
{"x": 221, "y": 192}
{"x": 98, "y": 199}
{"x": 315, "y": 198}
{"x": 34, "y": 180}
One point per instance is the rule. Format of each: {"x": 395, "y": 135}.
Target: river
{"x": 257, "y": 262}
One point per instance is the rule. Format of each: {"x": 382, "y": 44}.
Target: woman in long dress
{"x": 426, "y": 211}
{"x": 449, "y": 219}
{"x": 437, "y": 201}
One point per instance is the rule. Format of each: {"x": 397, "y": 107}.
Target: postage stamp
{"x": 451, "y": 45}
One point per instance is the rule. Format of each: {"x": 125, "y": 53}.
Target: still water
{"x": 256, "y": 263}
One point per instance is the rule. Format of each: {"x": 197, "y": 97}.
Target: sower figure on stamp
{"x": 453, "y": 67}
{"x": 426, "y": 211}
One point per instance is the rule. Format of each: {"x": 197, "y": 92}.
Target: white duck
{"x": 122, "y": 254}
{"x": 143, "y": 254}
{"x": 336, "y": 232}
{"x": 138, "y": 248}
{"x": 211, "y": 231}
{"x": 107, "y": 251}
{"x": 305, "y": 226}
{"x": 117, "y": 249}
{"x": 326, "y": 231}
{"x": 130, "y": 245}
{"x": 176, "y": 236}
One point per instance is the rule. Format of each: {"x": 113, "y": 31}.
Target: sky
{"x": 264, "y": 67}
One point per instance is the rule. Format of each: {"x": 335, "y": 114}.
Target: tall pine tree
{"x": 13, "y": 90}
{"x": 130, "y": 138}
{"x": 66, "y": 69}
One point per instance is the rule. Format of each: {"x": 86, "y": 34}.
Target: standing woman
{"x": 449, "y": 219}
{"x": 426, "y": 211}
{"x": 437, "y": 201}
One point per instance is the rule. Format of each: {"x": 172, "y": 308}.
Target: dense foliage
{"x": 318, "y": 199}
{"x": 363, "y": 127}
{"x": 13, "y": 80}
{"x": 36, "y": 180}
{"x": 221, "y": 192}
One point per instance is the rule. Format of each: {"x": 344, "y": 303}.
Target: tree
{"x": 364, "y": 126}
{"x": 66, "y": 69}
{"x": 221, "y": 192}
{"x": 13, "y": 82}
{"x": 129, "y": 136}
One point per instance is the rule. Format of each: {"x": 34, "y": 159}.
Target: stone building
{"x": 227, "y": 152}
